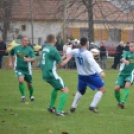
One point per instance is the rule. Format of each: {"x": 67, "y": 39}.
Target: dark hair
{"x": 50, "y": 38}
{"x": 83, "y": 41}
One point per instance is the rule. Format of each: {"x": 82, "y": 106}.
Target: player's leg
{"x": 62, "y": 101}
{"x": 20, "y": 76}
{"x": 129, "y": 81}
{"x": 80, "y": 92}
{"x": 58, "y": 85}
{"x": 95, "y": 82}
{"x": 31, "y": 91}
{"x": 117, "y": 93}
{"x": 28, "y": 79}
{"x": 120, "y": 82}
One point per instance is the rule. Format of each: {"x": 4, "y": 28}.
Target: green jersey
{"x": 128, "y": 69}
{"x": 49, "y": 58}
{"x": 19, "y": 53}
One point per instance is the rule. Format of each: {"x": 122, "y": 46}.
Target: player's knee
{"x": 21, "y": 80}
{"x": 103, "y": 90}
{"x": 65, "y": 90}
{"x": 29, "y": 84}
{"x": 82, "y": 91}
{"x": 116, "y": 88}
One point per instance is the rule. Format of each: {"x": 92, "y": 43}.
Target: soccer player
{"x": 125, "y": 77}
{"x": 49, "y": 58}
{"x": 88, "y": 75}
{"x": 22, "y": 56}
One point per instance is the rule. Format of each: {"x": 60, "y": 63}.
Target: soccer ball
{"x": 95, "y": 52}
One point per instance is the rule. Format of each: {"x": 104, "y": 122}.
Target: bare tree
{"x": 89, "y": 6}
{"x": 7, "y": 9}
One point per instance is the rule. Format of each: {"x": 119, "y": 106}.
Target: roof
{"x": 53, "y": 10}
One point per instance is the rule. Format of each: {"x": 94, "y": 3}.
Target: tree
{"x": 89, "y": 6}
{"x": 6, "y": 7}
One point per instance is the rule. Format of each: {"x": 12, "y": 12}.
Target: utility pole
{"x": 64, "y": 20}
{"x": 31, "y": 13}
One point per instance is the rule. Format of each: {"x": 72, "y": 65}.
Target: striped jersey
{"x": 19, "y": 53}
{"x": 49, "y": 58}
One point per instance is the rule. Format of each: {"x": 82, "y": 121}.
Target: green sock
{"x": 53, "y": 97}
{"x": 22, "y": 89}
{"x": 125, "y": 95}
{"x": 31, "y": 90}
{"x": 62, "y": 102}
{"x": 117, "y": 96}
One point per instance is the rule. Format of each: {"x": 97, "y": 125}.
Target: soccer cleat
{"x": 72, "y": 110}
{"x": 23, "y": 99}
{"x": 51, "y": 109}
{"x": 93, "y": 109}
{"x": 32, "y": 98}
{"x": 61, "y": 114}
{"x": 122, "y": 105}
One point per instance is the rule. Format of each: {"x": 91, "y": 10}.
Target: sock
{"x": 31, "y": 89}
{"x": 97, "y": 98}
{"x": 22, "y": 89}
{"x": 76, "y": 99}
{"x": 117, "y": 96}
{"x": 62, "y": 102}
{"x": 125, "y": 95}
{"x": 53, "y": 97}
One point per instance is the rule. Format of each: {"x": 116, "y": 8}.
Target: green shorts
{"x": 122, "y": 79}
{"x": 56, "y": 83}
{"x": 27, "y": 77}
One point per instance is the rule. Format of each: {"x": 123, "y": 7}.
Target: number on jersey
{"x": 80, "y": 60}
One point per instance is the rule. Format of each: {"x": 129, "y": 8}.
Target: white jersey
{"x": 86, "y": 65}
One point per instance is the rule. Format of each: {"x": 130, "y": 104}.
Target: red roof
{"x": 53, "y": 10}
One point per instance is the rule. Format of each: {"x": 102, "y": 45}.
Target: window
{"x": 115, "y": 34}
{"x": 23, "y": 27}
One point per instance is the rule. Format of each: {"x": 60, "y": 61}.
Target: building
{"x": 110, "y": 22}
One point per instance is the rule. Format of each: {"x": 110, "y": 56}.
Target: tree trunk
{"x": 90, "y": 22}
{"x": 7, "y": 17}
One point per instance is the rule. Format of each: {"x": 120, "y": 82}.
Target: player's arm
{"x": 70, "y": 54}
{"x": 124, "y": 60}
{"x": 95, "y": 65}
{"x": 64, "y": 62}
{"x": 11, "y": 58}
{"x": 58, "y": 59}
{"x": 32, "y": 57}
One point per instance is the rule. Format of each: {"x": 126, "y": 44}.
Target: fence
{"x": 109, "y": 63}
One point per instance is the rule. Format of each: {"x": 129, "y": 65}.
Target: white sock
{"x": 76, "y": 99}
{"x": 97, "y": 98}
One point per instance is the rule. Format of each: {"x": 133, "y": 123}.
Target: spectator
{"x": 2, "y": 50}
{"x": 45, "y": 43}
{"x": 29, "y": 44}
{"x": 103, "y": 56}
{"x": 58, "y": 46}
{"x": 65, "y": 47}
{"x": 91, "y": 46}
{"x": 117, "y": 57}
{"x": 126, "y": 48}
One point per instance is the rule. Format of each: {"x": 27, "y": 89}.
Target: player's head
{"x": 24, "y": 41}
{"x": 51, "y": 39}
{"x": 131, "y": 47}
{"x": 84, "y": 42}
{"x": 1, "y": 39}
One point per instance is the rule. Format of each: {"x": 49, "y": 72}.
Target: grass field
{"x": 33, "y": 118}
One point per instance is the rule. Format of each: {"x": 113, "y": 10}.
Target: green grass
{"x": 33, "y": 118}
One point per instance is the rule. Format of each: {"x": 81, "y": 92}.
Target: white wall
{"x": 41, "y": 29}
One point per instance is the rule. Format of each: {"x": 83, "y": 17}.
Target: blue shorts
{"x": 92, "y": 81}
